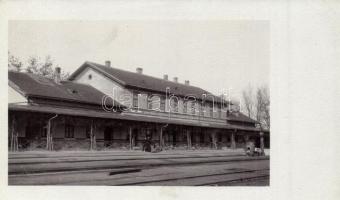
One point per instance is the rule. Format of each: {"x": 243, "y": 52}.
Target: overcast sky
{"x": 213, "y": 55}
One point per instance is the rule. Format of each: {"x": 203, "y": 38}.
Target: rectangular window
{"x": 149, "y": 101}
{"x": 193, "y": 109}
{"x": 219, "y": 136}
{"x": 44, "y": 132}
{"x": 202, "y": 108}
{"x": 175, "y": 105}
{"x": 219, "y": 112}
{"x": 69, "y": 131}
{"x": 88, "y": 131}
{"x": 211, "y": 109}
{"x": 162, "y": 106}
{"x": 135, "y": 100}
{"x": 201, "y": 137}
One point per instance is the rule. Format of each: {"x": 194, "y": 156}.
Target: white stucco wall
{"x": 105, "y": 85}
{"x": 124, "y": 96}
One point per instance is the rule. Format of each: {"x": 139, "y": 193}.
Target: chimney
{"x": 187, "y": 82}
{"x": 176, "y": 79}
{"x": 165, "y": 77}
{"x": 139, "y": 70}
{"x": 57, "y": 75}
{"x": 108, "y": 63}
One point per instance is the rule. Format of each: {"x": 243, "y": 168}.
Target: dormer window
{"x": 90, "y": 76}
{"x": 72, "y": 91}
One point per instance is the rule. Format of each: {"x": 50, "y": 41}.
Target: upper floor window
{"x": 193, "y": 108}
{"x": 211, "y": 110}
{"x": 202, "y": 108}
{"x": 162, "y": 104}
{"x": 174, "y": 104}
{"x": 69, "y": 131}
{"x": 135, "y": 100}
{"x": 149, "y": 101}
{"x": 219, "y": 110}
{"x": 185, "y": 106}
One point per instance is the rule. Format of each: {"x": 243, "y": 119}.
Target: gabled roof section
{"x": 31, "y": 85}
{"x": 240, "y": 117}
{"x": 142, "y": 81}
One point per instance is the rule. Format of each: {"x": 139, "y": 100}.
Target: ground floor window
{"x": 201, "y": 137}
{"x": 69, "y": 131}
{"x": 88, "y": 131}
{"x": 219, "y": 136}
{"x": 44, "y": 132}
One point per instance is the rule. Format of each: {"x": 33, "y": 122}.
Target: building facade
{"x": 101, "y": 107}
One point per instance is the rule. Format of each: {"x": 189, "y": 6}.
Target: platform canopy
{"x": 122, "y": 116}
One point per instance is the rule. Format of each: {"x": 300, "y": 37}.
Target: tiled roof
{"x": 142, "y": 81}
{"x": 32, "y": 85}
{"x": 239, "y": 117}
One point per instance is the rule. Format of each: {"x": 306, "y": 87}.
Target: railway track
{"x": 154, "y": 170}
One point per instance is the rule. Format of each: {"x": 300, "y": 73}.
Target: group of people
{"x": 147, "y": 143}
{"x": 251, "y": 150}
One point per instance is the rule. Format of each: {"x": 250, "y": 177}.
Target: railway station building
{"x": 101, "y": 108}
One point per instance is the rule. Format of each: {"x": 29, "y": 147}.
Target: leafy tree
{"x": 35, "y": 66}
{"x": 46, "y": 67}
{"x": 14, "y": 64}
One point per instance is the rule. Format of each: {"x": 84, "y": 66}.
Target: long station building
{"x": 101, "y": 107}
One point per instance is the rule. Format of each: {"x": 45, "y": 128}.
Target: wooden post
{"x": 262, "y": 142}
{"x": 232, "y": 140}
{"x": 12, "y": 134}
{"x": 49, "y": 138}
{"x": 189, "y": 139}
{"x": 91, "y": 136}
{"x": 48, "y": 135}
{"x": 16, "y": 143}
{"x": 213, "y": 138}
{"x": 160, "y": 138}
{"x": 94, "y": 141}
{"x": 130, "y": 137}
{"x": 133, "y": 138}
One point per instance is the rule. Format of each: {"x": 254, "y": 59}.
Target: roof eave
{"x": 92, "y": 66}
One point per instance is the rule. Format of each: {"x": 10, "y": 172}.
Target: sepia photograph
{"x": 139, "y": 102}
{"x": 169, "y": 100}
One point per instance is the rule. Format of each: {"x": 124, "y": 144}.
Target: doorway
{"x": 174, "y": 138}
{"x": 134, "y": 137}
{"x": 107, "y": 136}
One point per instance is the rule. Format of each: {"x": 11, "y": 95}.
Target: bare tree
{"x": 248, "y": 101}
{"x": 263, "y": 106}
{"x": 257, "y": 106}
